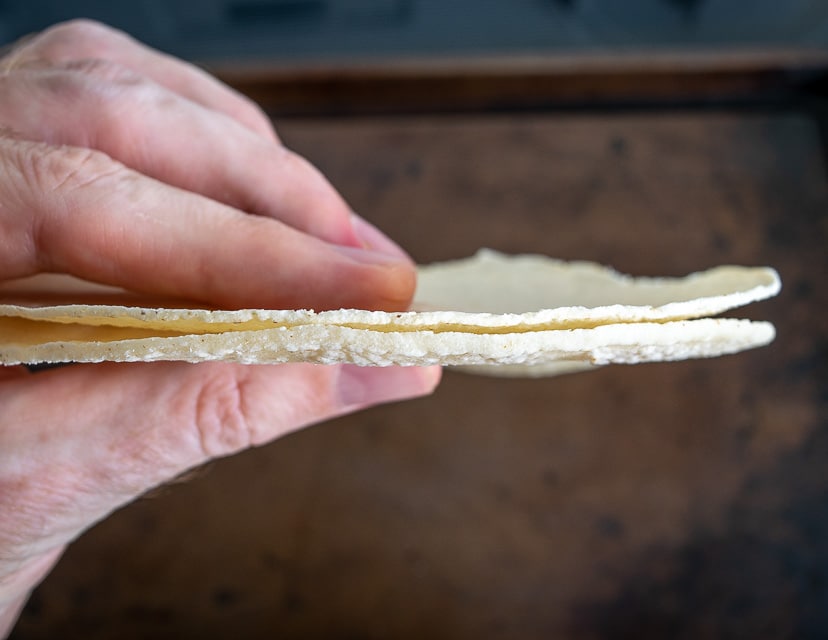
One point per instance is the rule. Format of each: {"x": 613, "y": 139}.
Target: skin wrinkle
{"x": 78, "y": 176}
{"x": 21, "y": 243}
{"x": 64, "y": 173}
{"x": 220, "y": 413}
{"x": 233, "y": 410}
{"x": 36, "y": 505}
{"x": 67, "y": 217}
{"x": 101, "y": 76}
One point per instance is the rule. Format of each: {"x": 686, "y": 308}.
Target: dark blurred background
{"x": 213, "y": 30}
{"x": 682, "y": 500}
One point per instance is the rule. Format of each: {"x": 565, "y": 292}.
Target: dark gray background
{"x": 295, "y": 29}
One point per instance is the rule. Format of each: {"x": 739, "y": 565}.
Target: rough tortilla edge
{"x": 325, "y": 344}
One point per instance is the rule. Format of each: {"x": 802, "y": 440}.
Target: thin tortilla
{"x": 588, "y": 315}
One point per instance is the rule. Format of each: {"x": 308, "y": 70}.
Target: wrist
{"x": 9, "y": 613}
{"x": 16, "y": 587}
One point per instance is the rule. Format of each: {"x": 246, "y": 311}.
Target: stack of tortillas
{"x": 511, "y": 315}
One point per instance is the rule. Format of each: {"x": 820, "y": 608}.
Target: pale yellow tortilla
{"x": 330, "y": 344}
{"x": 562, "y": 316}
{"x": 503, "y": 284}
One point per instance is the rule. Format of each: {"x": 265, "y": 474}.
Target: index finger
{"x": 76, "y": 211}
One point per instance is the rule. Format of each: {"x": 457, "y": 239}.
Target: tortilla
{"x": 523, "y": 315}
{"x": 498, "y": 283}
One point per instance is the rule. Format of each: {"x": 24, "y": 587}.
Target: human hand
{"x": 124, "y": 166}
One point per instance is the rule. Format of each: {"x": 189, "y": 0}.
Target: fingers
{"x": 84, "y": 84}
{"x": 100, "y": 105}
{"x": 82, "y": 441}
{"x": 80, "y": 40}
{"x": 136, "y": 170}
{"x": 76, "y": 211}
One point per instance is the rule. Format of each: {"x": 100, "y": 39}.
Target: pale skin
{"x": 124, "y": 166}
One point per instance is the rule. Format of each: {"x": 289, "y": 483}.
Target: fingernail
{"x": 365, "y": 386}
{"x": 370, "y": 256}
{"x": 374, "y": 239}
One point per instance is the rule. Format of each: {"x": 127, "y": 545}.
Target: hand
{"x": 124, "y": 166}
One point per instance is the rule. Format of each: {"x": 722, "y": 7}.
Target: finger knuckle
{"x": 52, "y": 178}
{"x": 75, "y": 39}
{"x": 112, "y": 101}
{"x": 91, "y": 82}
{"x": 102, "y": 71}
{"x": 48, "y": 169}
{"x": 251, "y": 112}
{"x": 50, "y": 207}
{"x": 220, "y": 416}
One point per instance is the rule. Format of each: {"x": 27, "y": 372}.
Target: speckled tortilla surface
{"x": 498, "y": 314}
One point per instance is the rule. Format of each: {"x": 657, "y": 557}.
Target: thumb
{"x": 80, "y": 441}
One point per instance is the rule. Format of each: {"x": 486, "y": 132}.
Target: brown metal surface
{"x": 451, "y": 85}
{"x": 681, "y": 500}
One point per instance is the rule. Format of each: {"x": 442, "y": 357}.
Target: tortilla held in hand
{"x": 498, "y": 314}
